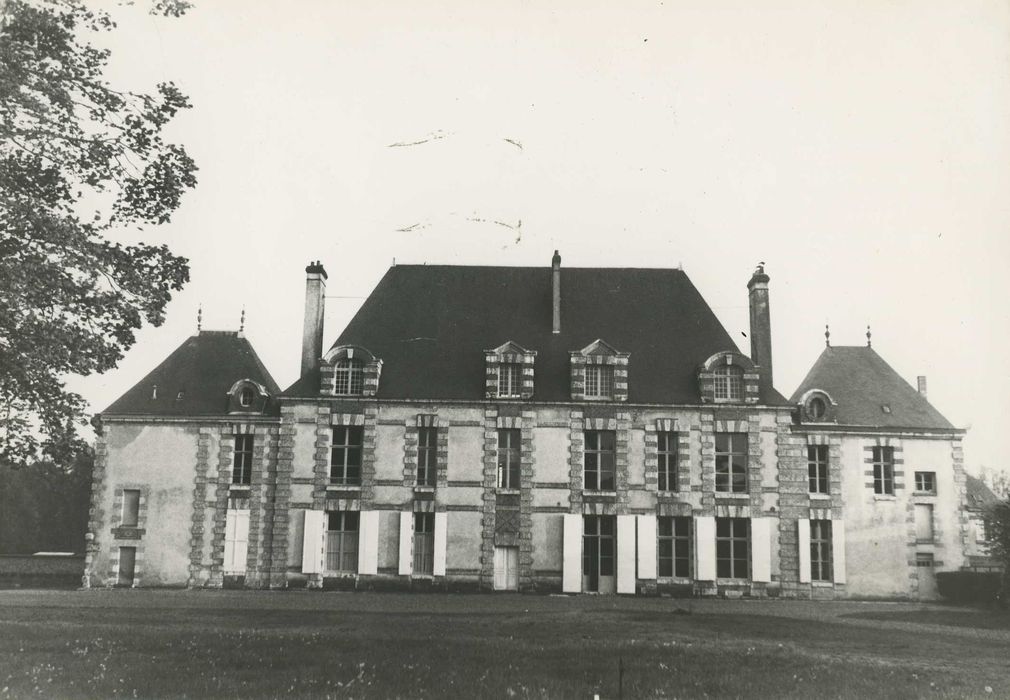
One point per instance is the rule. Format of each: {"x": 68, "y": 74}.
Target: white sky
{"x": 860, "y": 149}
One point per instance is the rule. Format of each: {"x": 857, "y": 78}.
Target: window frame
{"x": 731, "y": 476}
{"x": 736, "y": 542}
{"x": 674, "y": 544}
{"x": 423, "y": 554}
{"x": 242, "y": 459}
{"x": 510, "y": 380}
{"x": 125, "y": 509}
{"x": 818, "y": 469}
{"x": 349, "y": 377}
{"x": 667, "y": 460}
{"x": 509, "y": 458}
{"x": 596, "y": 459}
{"x": 427, "y": 456}
{"x": 921, "y": 483}
{"x": 729, "y": 383}
{"x": 821, "y": 554}
{"x": 599, "y": 381}
{"x": 346, "y": 540}
{"x": 346, "y": 449}
{"x": 883, "y": 470}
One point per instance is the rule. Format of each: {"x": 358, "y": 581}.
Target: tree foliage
{"x": 79, "y": 160}
{"x": 997, "y": 530}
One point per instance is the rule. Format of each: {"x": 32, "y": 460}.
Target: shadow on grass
{"x": 974, "y": 619}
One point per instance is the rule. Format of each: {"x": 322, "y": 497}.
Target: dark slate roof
{"x": 860, "y": 382}
{"x": 430, "y": 325}
{"x": 204, "y": 367}
{"x": 979, "y": 495}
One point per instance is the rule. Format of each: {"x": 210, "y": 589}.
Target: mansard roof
{"x": 430, "y": 324}
{"x": 204, "y": 368}
{"x": 862, "y": 384}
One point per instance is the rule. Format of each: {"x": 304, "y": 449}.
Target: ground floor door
{"x": 127, "y": 565}
{"x": 927, "y": 576}
{"x": 506, "y": 568}
{"x": 599, "y": 552}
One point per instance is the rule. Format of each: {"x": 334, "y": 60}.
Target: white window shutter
{"x": 406, "y": 542}
{"x": 647, "y": 546}
{"x": 572, "y": 561}
{"x": 368, "y": 542}
{"x": 704, "y": 547}
{"x": 761, "y": 549}
{"x": 803, "y": 543}
{"x": 441, "y": 523}
{"x": 240, "y": 547}
{"x": 312, "y": 542}
{"x": 838, "y": 550}
{"x": 500, "y": 556}
{"x": 626, "y": 554}
{"x": 229, "y": 542}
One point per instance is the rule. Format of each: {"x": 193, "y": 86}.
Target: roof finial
{"x": 199, "y": 317}
{"x": 827, "y": 336}
{"x": 241, "y": 323}
{"x": 869, "y": 338}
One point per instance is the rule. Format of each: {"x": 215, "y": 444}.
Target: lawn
{"x": 377, "y": 645}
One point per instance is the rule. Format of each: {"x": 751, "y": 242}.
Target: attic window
{"x": 349, "y": 377}
{"x": 886, "y": 408}
{"x": 246, "y": 397}
{"x": 154, "y": 392}
{"x": 729, "y": 382}
{"x": 600, "y": 381}
{"x": 180, "y": 396}
{"x": 816, "y": 408}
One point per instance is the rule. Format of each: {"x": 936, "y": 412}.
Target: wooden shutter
{"x": 441, "y": 523}
{"x": 626, "y": 554}
{"x": 572, "y": 561}
{"x": 312, "y": 542}
{"x": 647, "y": 546}
{"x": 406, "y": 542}
{"x": 704, "y": 547}
{"x": 368, "y": 542}
{"x": 838, "y": 550}
{"x": 803, "y": 543}
{"x": 761, "y": 549}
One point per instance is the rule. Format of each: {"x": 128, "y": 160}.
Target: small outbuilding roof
{"x": 196, "y": 378}
{"x": 869, "y": 392}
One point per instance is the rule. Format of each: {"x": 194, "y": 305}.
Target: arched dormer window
{"x": 349, "y": 377}
{"x": 817, "y": 406}
{"x": 729, "y": 383}
{"x": 349, "y": 370}
{"x": 246, "y": 397}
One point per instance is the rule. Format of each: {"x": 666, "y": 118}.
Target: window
{"x": 599, "y": 473}
{"x": 424, "y": 543}
{"x": 241, "y": 470}
{"x": 349, "y": 377}
{"x": 342, "y": 542}
{"x": 427, "y": 456}
{"x": 509, "y": 455}
{"x": 924, "y": 522}
{"x": 667, "y": 455}
{"x": 131, "y": 508}
{"x": 245, "y": 397}
{"x": 675, "y": 547}
{"x": 510, "y": 379}
{"x": 820, "y": 550}
{"x": 732, "y": 545}
{"x": 816, "y": 408}
{"x": 345, "y": 456}
{"x": 729, "y": 383}
{"x": 817, "y": 466}
{"x": 600, "y": 381}
{"x": 731, "y": 462}
{"x": 925, "y": 482}
{"x": 883, "y": 470}
{"x": 924, "y": 560}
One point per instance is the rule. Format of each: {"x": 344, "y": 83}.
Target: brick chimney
{"x": 312, "y": 330}
{"x": 921, "y": 379}
{"x": 556, "y": 291}
{"x": 760, "y": 324}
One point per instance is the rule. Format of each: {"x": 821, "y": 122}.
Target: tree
{"x": 79, "y": 161}
{"x": 997, "y": 529}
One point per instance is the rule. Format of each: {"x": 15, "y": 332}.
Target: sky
{"x": 860, "y": 149}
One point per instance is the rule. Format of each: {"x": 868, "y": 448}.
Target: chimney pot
{"x": 312, "y": 329}
{"x": 556, "y": 292}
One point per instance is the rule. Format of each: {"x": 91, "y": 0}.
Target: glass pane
{"x": 607, "y": 440}
{"x": 665, "y": 527}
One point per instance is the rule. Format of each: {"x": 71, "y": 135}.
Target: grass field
{"x": 376, "y": 645}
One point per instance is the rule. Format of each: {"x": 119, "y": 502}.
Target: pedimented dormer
{"x": 349, "y": 370}
{"x": 599, "y": 372}
{"x": 729, "y": 377}
{"x": 509, "y": 371}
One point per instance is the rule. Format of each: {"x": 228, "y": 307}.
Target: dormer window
{"x": 600, "y": 381}
{"x": 817, "y": 408}
{"x": 246, "y": 397}
{"x": 729, "y": 383}
{"x": 349, "y": 377}
{"x": 510, "y": 380}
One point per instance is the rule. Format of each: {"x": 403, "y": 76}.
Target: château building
{"x": 531, "y": 429}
